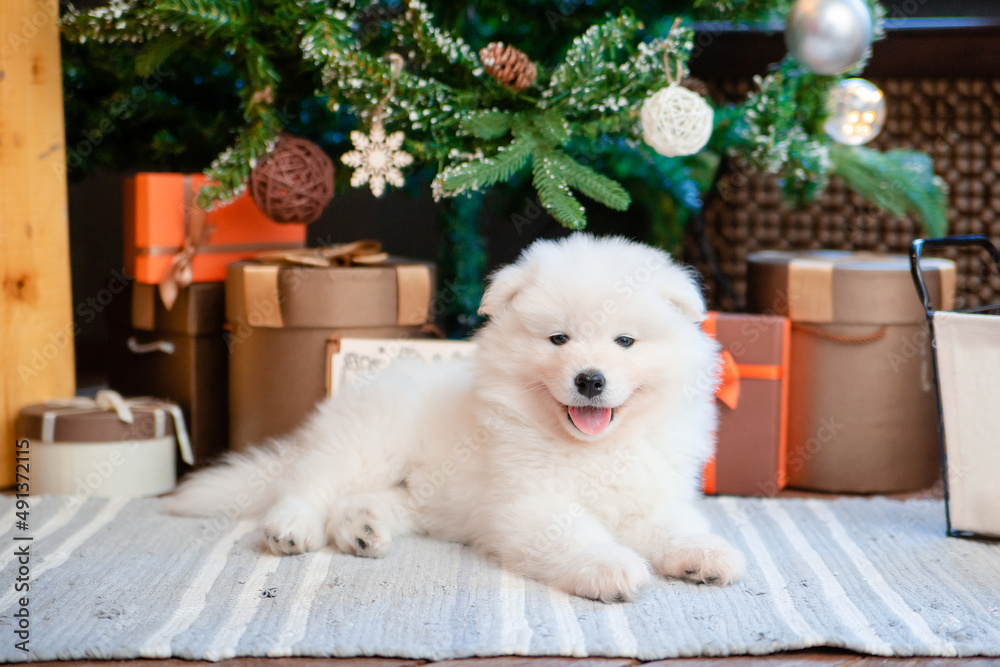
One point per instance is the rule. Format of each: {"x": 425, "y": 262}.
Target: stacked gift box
{"x": 239, "y": 325}
{"x": 284, "y": 310}
{"x": 231, "y": 317}
{"x": 169, "y": 239}
{"x": 173, "y": 344}
{"x": 179, "y": 355}
{"x": 862, "y": 415}
{"x": 753, "y": 404}
{"x": 827, "y": 386}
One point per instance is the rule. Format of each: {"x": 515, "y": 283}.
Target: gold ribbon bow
{"x": 108, "y": 399}
{"x": 345, "y": 254}
{"x": 197, "y": 233}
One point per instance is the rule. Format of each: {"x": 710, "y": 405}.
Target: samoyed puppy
{"x": 569, "y": 450}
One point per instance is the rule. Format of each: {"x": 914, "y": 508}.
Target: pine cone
{"x": 508, "y": 65}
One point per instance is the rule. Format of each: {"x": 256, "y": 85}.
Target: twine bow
{"x": 108, "y": 399}
{"x": 396, "y": 63}
{"x": 180, "y": 274}
{"x": 668, "y": 44}
{"x": 346, "y": 254}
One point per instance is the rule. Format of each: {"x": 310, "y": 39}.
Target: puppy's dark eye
{"x": 559, "y": 339}
{"x": 625, "y": 341}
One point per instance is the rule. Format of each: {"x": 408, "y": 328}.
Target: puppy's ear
{"x": 682, "y": 290}
{"x": 503, "y": 287}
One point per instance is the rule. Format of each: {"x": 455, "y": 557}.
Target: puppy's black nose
{"x": 590, "y": 383}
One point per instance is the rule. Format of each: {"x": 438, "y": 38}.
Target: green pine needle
{"x": 552, "y": 127}
{"x": 598, "y": 187}
{"x": 478, "y": 174}
{"x": 901, "y": 182}
{"x": 204, "y": 17}
{"x": 487, "y": 124}
{"x": 590, "y": 62}
{"x": 477, "y": 130}
{"x": 153, "y": 54}
{"x": 555, "y": 195}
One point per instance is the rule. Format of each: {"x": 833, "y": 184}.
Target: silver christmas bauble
{"x": 857, "y": 112}
{"x": 828, "y": 36}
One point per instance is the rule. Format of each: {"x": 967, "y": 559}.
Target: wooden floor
{"x": 813, "y": 658}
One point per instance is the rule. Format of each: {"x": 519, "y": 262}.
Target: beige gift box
{"x": 281, "y": 318}
{"x": 862, "y": 416}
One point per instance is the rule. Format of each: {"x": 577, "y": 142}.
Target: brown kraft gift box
{"x": 862, "y": 411}
{"x": 753, "y": 404}
{"x": 179, "y": 355}
{"x": 281, "y": 316}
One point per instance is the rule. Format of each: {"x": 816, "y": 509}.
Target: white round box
{"x": 130, "y": 468}
{"x": 102, "y": 448}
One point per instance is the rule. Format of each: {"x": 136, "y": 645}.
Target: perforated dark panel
{"x": 956, "y": 121}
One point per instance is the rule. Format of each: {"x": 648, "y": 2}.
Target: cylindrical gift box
{"x": 280, "y": 318}
{"x": 76, "y": 448}
{"x": 862, "y": 408}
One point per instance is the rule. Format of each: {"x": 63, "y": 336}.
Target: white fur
{"x": 483, "y": 452}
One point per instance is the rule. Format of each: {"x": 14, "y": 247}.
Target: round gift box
{"x": 88, "y": 451}
{"x": 862, "y": 409}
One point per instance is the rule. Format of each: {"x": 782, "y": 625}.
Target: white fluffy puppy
{"x": 570, "y": 450}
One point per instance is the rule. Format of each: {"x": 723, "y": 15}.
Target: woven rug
{"x": 112, "y": 580}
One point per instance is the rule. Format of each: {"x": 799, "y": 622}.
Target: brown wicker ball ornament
{"x": 508, "y": 65}
{"x": 696, "y": 86}
{"x": 295, "y": 183}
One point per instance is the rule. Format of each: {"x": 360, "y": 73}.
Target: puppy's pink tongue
{"x": 591, "y": 421}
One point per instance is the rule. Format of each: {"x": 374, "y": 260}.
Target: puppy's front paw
{"x": 361, "y": 532}
{"x": 611, "y": 575}
{"x": 705, "y": 559}
{"x": 293, "y": 527}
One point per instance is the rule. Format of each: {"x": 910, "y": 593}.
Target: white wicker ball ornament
{"x": 676, "y": 121}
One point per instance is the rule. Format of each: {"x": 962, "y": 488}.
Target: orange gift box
{"x": 751, "y": 441}
{"x": 158, "y": 209}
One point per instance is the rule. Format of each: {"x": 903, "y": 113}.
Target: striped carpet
{"x": 114, "y": 580}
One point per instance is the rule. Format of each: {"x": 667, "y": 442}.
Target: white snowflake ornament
{"x": 676, "y": 121}
{"x": 377, "y": 159}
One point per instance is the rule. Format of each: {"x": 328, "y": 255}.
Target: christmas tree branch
{"x": 901, "y": 182}
{"x": 119, "y": 21}
{"x": 479, "y": 131}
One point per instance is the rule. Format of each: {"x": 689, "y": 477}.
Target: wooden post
{"x": 36, "y": 313}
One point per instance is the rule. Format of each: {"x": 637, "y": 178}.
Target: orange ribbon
{"x": 728, "y": 390}
{"x": 730, "y": 372}
{"x": 345, "y": 254}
